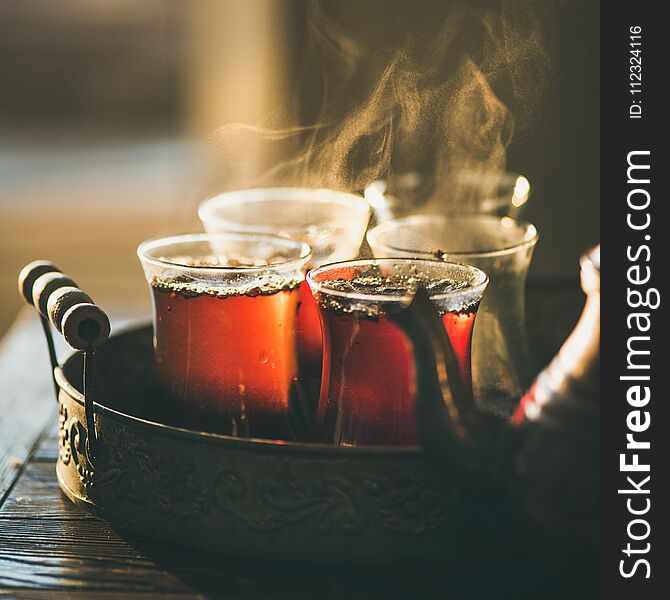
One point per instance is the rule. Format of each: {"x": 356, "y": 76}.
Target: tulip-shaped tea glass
{"x": 503, "y": 248}
{"x": 485, "y": 191}
{"x": 332, "y": 223}
{"x": 224, "y": 309}
{"x": 367, "y": 386}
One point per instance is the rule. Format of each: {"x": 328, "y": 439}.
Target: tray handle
{"x": 72, "y": 312}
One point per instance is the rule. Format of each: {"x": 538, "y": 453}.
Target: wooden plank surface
{"x": 51, "y": 549}
{"x": 27, "y": 402}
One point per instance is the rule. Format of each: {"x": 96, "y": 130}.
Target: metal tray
{"x": 288, "y": 500}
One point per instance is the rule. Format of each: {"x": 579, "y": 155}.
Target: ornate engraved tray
{"x": 255, "y": 497}
{"x": 284, "y": 500}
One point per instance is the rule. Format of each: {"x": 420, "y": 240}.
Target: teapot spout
{"x": 449, "y": 424}
{"x": 551, "y": 443}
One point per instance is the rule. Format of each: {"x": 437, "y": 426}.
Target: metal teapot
{"x": 546, "y": 457}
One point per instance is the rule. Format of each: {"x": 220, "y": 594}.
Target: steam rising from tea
{"x": 392, "y": 87}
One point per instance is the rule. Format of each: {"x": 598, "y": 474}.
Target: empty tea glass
{"x": 503, "y": 248}
{"x": 333, "y": 224}
{"x": 224, "y": 310}
{"x": 368, "y": 382}
{"x": 465, "y": 190}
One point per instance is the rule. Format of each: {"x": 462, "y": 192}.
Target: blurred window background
{"x": 109, "y": 113}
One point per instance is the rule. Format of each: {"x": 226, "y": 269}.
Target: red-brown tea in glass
{"x": 308, "y": 333}
{"x": 230, "y": 358}
{"x": 224, "y": 331}
{"x": 368, "y": 385}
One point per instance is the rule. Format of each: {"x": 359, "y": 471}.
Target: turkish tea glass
{"x": 333, "y": 224}
{"x": 485, "y": 191}
{"x": 368, "y": 380}
{"x": 503, "y": 248}
{"x": 224, "y": 310}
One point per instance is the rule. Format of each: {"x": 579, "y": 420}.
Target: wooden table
{"x": 50, "y": 548}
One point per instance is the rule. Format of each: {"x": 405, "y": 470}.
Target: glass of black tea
{"x": 368, "y": 377}
{"x": 501, "y": 246}
{"x": 224, "y": 309}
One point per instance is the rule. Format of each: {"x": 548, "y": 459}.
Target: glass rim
{"x": 151, "y": 244}
{"x": 508, "y": 179}
{"x": 530, "y": 234}
{"x": 316, "y": 196}
{"x": 509, "y": 176}
{"x": 476, "y": 289}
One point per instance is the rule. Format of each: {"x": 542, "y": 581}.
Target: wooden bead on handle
{"x": 47, "y": 284}
{"x": 62, "y": 300}
{"x": 85, "y": 326}
{"x": 29, "y": 275}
